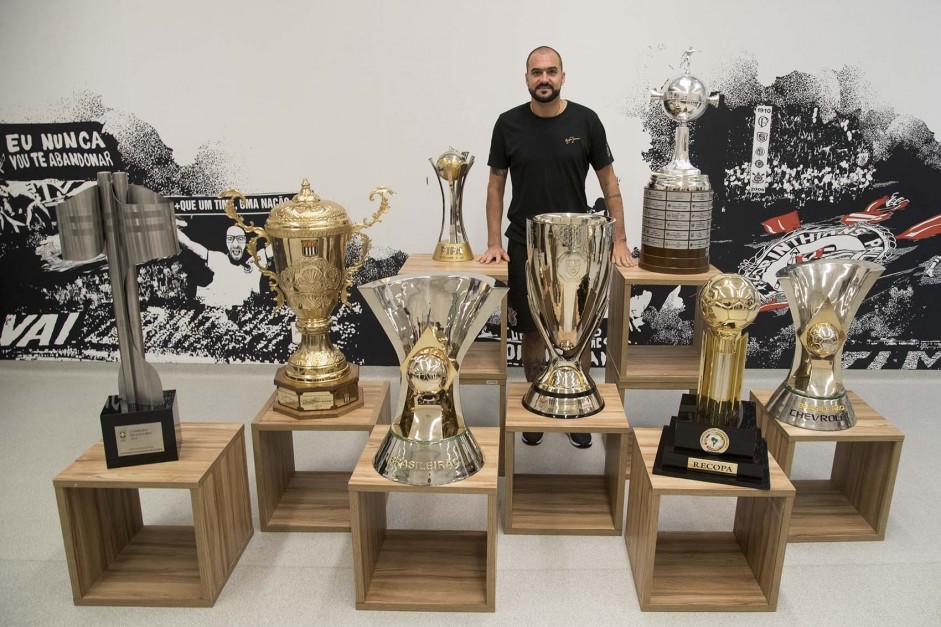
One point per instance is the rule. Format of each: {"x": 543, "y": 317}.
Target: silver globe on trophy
{"x": 452, "y": 167}
{"x": 568, "y": 272}
{"x": 130, "y": 225}
{"x": 431, "y": 320}
{"x": 824, "y": 296}
{"x": 677, "y": 216}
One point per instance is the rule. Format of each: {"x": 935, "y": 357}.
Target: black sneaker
{"x": 531, "y": 438}
{"x": 579, "y": 440}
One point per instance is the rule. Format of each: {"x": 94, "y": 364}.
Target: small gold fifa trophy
{"x": 452, "y": 166}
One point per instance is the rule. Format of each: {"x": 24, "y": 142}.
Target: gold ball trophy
{"x": 452, "y": 167}
{"x": 824, "y": 296}
{"x": 431, "y": 320}
{"x": 308, "y": 237}
{"x": 715, "y": 436}
{"x": 677, "y": 215}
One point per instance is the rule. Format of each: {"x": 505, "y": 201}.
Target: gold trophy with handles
{"x": 308, "y": 238}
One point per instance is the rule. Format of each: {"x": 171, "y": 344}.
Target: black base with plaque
{"x": 141, "y": 434}
{"x": 706, "y": 452}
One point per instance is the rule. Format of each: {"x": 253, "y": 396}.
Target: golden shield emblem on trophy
{"x": 308, "y": 238}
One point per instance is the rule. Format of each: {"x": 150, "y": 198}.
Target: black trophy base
{"x": 718, "y": 454}
{"x": 141, "y": 434}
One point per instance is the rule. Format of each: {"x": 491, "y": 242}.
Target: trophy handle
{"x": 230, "y": 210}
{"x": 384, "y": 193}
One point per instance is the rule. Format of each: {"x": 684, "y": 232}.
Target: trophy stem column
{"x": 720, "y": 383}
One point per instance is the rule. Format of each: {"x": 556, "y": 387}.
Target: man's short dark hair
{"x": 544, "y": 49}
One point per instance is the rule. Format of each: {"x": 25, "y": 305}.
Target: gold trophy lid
{"x": 307, "y": 212}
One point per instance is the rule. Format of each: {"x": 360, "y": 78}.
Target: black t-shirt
{"x": 548, "y": 160}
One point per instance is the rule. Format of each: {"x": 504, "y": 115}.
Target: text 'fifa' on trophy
{"x": 715, "y": 436}
{"x": 131, "y": 225}
{"x": 824, "y": 296}
{"x": 677, "y": 216}
{"x": 308, "y": 238}
{"x": 567, "y": 273}
{"x": 452, "y": 166}
{"x": 431, "y": 320}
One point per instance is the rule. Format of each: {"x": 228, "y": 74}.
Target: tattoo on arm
{"x": 498, "y": 171}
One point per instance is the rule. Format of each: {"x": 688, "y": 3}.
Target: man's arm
{"x": 197, "y": 248}
{"x": 496, "y": 187}
{"x": 612, "y": 198}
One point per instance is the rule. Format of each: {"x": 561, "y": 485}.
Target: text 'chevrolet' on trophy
{"x": 568, "y": 272}
{"x": 715, "y": 436}
{"x": 431, "y": 321}
{"x": 131, "y": 225}
{"x": 823, "y": 295}
{"x": 308, "y": 238}
{"x": 452, "y": 166}
{"x": 677, "y": 216}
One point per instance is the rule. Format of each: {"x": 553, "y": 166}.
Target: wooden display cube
{"x": 423, "y": 570}
{"x": 115, "y": 559}
{"x": 292, "y": 500}
{"x": 650, "y": 367}
{"x": 853, "y": 504}
{"x": 567, "y": 504}
{"x": 705, "y": 571}
{"x": 485, "y": 362}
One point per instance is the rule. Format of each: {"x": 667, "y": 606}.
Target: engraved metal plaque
{"x": 139, "y": 439}
{"x": 707, "y": 465}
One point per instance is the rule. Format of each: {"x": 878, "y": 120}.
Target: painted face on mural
{"x": 544, "y": 76}
{"x": 235, "y": 243}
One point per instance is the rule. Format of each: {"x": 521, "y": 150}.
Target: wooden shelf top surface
{"x": 361, "y": 419}
{"x": 203, "y": 443}
{"x": 639, "y": 276}
{"x": 611, "y": 419}
{"x": 366, "y": 479}
{"x": 870, "y": 425}
{"x": 423, "y": 263}
{"x": 649, "y": 439}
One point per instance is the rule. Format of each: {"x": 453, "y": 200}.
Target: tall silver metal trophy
{"x": 677, "y": 216}
{"x": 452, "y": 167}
{"x": 131, "y": 225}
{"x": 431, "y": 321}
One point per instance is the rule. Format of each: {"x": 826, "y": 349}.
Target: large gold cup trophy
{"x": 308, "y": 238}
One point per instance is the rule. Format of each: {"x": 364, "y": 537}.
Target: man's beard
{"x": 554, "y": 93}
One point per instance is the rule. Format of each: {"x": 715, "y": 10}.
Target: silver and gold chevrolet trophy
{"x": 431, "y": 321}
{"x": 714, "y": 436}
{"x": 823, "y": 296}
{"x": 677, "y": 216}
{"x": 452, "y": 167}
{"x": 130, "y": 225}
{"x": 308, "y": 238}
{"x": 568, "y": 272}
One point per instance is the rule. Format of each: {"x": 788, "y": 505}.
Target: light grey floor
{"x": 50, "y": 416}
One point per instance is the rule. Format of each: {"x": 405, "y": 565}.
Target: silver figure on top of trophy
{"x": 677, "y": 214}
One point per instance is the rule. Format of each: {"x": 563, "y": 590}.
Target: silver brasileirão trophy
{"x": 568, "y": 273}
{"x": 431, "y": 320}
{"x": 452, "y": 166}
{"x": 677, "y": 216}
{"x": 131, "y": 225}
{"x": 824, "y": 296}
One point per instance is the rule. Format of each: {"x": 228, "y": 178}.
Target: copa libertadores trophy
{"x": 452, "y": 166}
{"x": 131, "y": 225}
{"x": 568, "y": 272}
{"x": 431, "y": 321}
{"x": 308, "y": 238}
{"x": 677, "y": 215}
{"x": 823, "y": 296}
{"x": 715, "y": 436}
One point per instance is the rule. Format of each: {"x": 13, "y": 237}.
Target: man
{"x": 234, "y": 276}
{"x": 546, "y": 146}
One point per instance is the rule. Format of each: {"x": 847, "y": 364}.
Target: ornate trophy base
{"x": 563, "y": 391}
{"x": 448, "y": 251}
{"x": 317, "y": 400}
{"x": 677, "y": 220}
{"x": 141, "y": 434}
{"x": 818, "y": 414}
{"x": 674, "y": 261}
{"x": 706, "y": 452}
{"x": 438, "y": 462}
